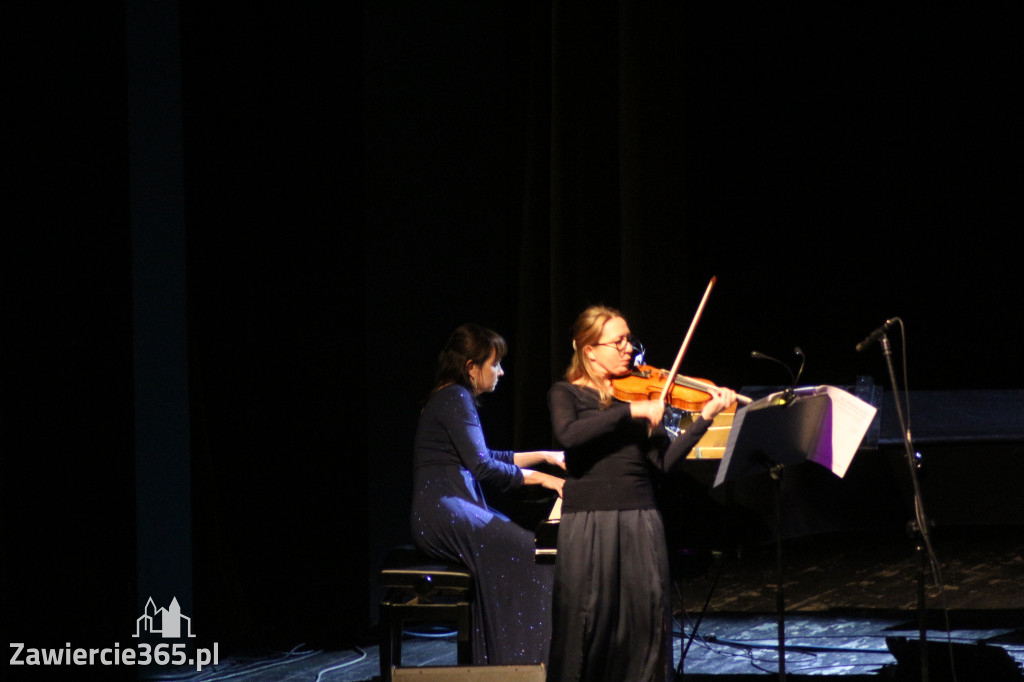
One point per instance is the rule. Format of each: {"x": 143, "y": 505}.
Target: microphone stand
{"x": 918, "y": 527}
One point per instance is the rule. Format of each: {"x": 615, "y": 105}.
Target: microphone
{"x": 639, "y": 352}
{"x": 789, "y": 394}
{"x": 803, "y": 361}
{"x": 877, "y": 334}
{"x": 757, "y": 355}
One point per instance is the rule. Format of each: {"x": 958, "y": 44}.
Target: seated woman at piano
{"x": 612, "y": 610}
{"x": 450, "y": 516}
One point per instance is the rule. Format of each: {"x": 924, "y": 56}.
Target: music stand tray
{"x": 823, "y": 424}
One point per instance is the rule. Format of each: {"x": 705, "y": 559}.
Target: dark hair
{"x": 470, "y": 343}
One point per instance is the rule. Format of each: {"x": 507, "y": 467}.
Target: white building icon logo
{"x": 168, "y": 622}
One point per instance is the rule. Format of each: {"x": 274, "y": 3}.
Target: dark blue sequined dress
{"x": 451, "y": 521}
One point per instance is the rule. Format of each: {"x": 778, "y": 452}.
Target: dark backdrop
{"x": 356, "y": 182}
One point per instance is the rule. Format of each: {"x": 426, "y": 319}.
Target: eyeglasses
{"x": 621, "y": 343}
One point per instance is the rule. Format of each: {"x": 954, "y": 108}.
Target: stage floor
{"x": 845, "y": 594}
{"x": 728, "y": 647}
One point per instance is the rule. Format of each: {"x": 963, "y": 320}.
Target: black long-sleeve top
{"x": 610, "y": 457}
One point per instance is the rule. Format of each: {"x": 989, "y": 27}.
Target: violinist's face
{"x": 610, "y": 356}
{"x": 485, "y": 376}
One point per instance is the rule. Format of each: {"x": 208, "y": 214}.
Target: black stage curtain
{"x": 819, "y": 160}
{"x": 604, "y": 196}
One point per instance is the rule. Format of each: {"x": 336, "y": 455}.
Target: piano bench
{"x": 420, "y": 588}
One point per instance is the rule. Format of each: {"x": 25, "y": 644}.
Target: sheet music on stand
{"x": 824, "y": 424}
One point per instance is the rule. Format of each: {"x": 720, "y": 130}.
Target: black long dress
{"x": 612, "y": 609}
{"x": 451, "y": 521}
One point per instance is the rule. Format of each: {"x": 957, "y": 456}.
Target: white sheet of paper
{"x": 851, "y": 418}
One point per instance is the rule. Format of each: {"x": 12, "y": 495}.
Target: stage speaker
{"x": 471, "y": 673}
{"x": 973, "y": 662}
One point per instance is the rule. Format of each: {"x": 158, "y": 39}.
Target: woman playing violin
{"x": 612, "y": 614}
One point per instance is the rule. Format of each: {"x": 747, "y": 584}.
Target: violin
{"x": 685, "y": 393}
{"x": 648, "y": 383}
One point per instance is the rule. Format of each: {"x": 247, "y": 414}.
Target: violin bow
{"x": 686, "y": 342}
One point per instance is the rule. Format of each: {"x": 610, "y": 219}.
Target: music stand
{"x": 822, "y": 424}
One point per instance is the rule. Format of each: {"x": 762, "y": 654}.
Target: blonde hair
{"x": 587, "y": 332}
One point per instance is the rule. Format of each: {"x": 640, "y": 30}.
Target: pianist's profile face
{"x": 485, "y": 375}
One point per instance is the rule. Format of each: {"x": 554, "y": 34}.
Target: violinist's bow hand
{"x": 721, "y": 399}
